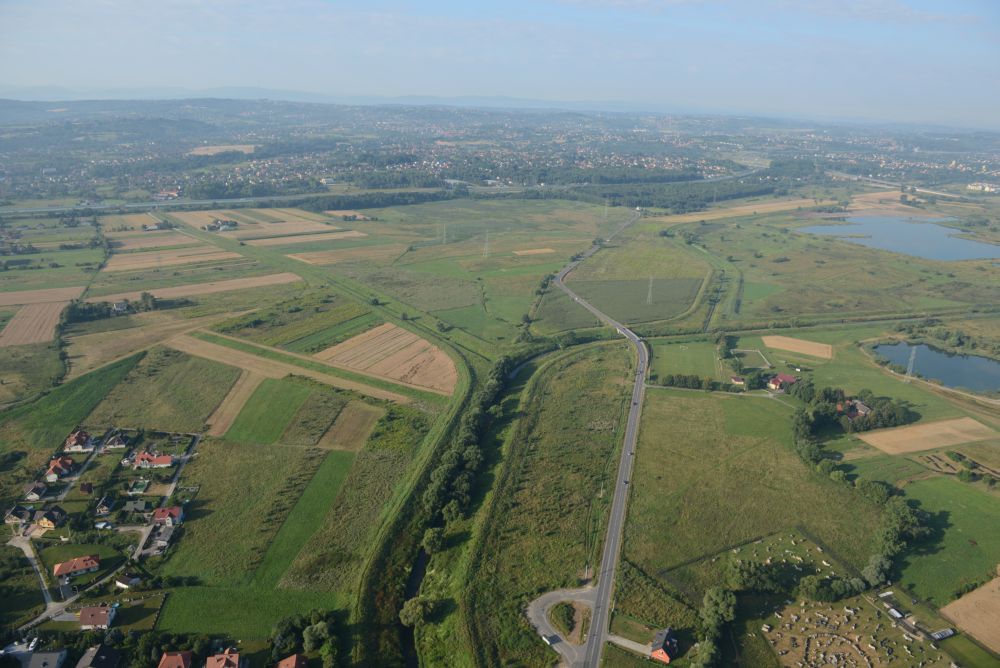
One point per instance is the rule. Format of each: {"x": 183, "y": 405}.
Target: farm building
{"x": 664, "y": 647}
{"x": 96, "y": 617}
{"x": 78, "y": 566}
{"x": 50, "y": 518}
{"x": 171, "y": 516}
{"x": 151, "y": 460}
{"x": 293, "y": 661}
{"x": 781, "y": 382}
{"x": 34, "y": 491}
{"x": 228, "y": 659}
{"x": 175, "y": 660}
{"x": 101, "y": 656}
{"x": 78, "y": 441}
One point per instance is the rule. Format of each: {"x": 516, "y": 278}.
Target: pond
{"x": 980, "y": 374}
{"x": 909, "y": 236}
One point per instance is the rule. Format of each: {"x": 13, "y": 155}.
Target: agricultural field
{"x": 547, "y": 529}
{"x": 33, "y": 323}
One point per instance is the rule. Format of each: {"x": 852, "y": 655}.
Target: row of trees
{"x": 828, "y": 408}
{"x": 81, "y": 311}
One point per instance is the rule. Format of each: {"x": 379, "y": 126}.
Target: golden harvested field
{"x": 39, "y": 296}
{"x": 195, "y": 289}
{"x": 381, "y": 253}
{"x": 821, "y": 350}
{"x": 534, "y": 251}
{"x": 167, "y": 258}
{"x": 742, "y": 210}
{"x": 306, "y": 238}
{"x": 90, "y": 351}
{"x": 273, "y": 368}
{"x": 351, "y": 428}
{"x": 264, "y": 230}
{"x": 940, "y": 434}
{"x": 151, "y": 240}
{"x": 222, "y": 419}
{"x": 297, "y": 214}
{"x": 392, "y": 352}
{"x": 33, "y": 323}
{"x": 978, "y": 614}
{"x": 222, "y": 148}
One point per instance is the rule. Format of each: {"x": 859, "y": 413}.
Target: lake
{"x": 972, "y": 372}
{"x": 909, "y": 236}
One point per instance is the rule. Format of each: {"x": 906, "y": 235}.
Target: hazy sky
{"x": 907, "y": 60}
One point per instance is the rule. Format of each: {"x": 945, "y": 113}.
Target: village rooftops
{"x": 228, "y": 659}
{"x": 175, "y": 660}
{"x": 78, "y": 440}
{"x": 17, "y": 515}
{"x": 293, "y": 661}
{"x": 85, "y": 564}
{"x": 168, "y": 516}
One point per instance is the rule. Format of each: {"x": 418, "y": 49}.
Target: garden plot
{"x": 395, "y": 353}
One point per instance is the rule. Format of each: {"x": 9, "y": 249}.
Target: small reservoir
{"x": 971, "y": 372}
{"x": 910, "y": 236}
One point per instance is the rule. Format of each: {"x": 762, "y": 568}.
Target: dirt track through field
{"x": 306, "y": 238}
{"x": 273, "y": 368}
{"x": 392, "y": 352}
{"x": 940, "y": 434}
{"x": 224, "y": 416}
{"x": 33, "y": 323}
{"x": 39, "y": 296}
{"x": 351, "y": 428}
{"x": 195, "y": 289}
{"x": 811, "y": 348}
{"x": 978, "y": 614}
{"x": 535, "y": 251}
{"x": 167, "y": 258}
{"x": 371, "y": 253}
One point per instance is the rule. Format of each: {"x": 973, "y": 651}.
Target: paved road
{"x": 538, "y": 615}
{"x": 24, "y": 544}
{"x": 600, "y": 620}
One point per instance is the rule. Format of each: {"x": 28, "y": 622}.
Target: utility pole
{"x": 649, "y": 292}
{"x": 486, "y": 245}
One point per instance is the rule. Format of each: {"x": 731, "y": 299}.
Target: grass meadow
{"x": 269, "y": 411}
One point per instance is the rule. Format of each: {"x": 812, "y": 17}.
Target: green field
{"x": 964, "y": 548}
{"x": 167, "y": 391}
{"x": 20, "y": 596}
{"x": 726, "y": 462}
{"x": 688, "y": 358}
{"x": 557, "y": 312}
{"x": 552, "y": 500}
{"x": 269, "y": 411}
{"x": 634, "y": 301}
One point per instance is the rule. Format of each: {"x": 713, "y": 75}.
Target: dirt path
{"x": 33, "y": 323}
{"x": 272, "y": 368}
{"x": 224, "y": 416}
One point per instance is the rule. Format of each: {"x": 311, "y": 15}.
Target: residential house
{"x": 59, "y": 467}
{"x": 50, "y": 659}
{"x": 86, "y": 564}
{"x": 664, "y": 647}
{"x": 50, "y": 518}
{"x": 116, "y": 442}
{"x": 78, "y": 441}
{"x": 152, "y": 460}
{"x": 136, "y": 506}
{"x": 853, "y": 409}
{"x": 176, "y": 660}
{"x": 294, "y": 661}
{"x": 781, "y": 382}
{"x": 228, "y": 659}
{"x": 101, "y": 656}
{"x": 17, "y": 515}
{"x": 86, "y": 488}
{"x": 127, "y": 580}
{"x": 163, "y": 537}
{"x": 96, "y": 617}
{"x": 171, "y": 516}
{"x": 119, "y": 308}
{"x": 34, "y": 491}
{"x": 739, "y": 381}
{"x": 105, "y": 505}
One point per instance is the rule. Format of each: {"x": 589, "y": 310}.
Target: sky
{"x": 895, "y": 60}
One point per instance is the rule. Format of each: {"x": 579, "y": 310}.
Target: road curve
{"x": 600, "y": 620}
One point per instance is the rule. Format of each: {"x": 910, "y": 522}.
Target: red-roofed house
{"x": 58, "y": 467}
{"x": 228, "y": 659}
{"x": 175, "y": 660}
{"x": 96, "y": 617}
{"x": 78, "y": 566}
{"x": 664, "y": 648}
{"x": 781, "y": 382}
{"x": 150, "y": 460}
{"x": 79, "y": 441}
{"x": 294, "y": 661}
{"x": 171, "y": 516}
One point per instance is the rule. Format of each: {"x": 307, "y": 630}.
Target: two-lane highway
{"x": 616, "y": 522}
